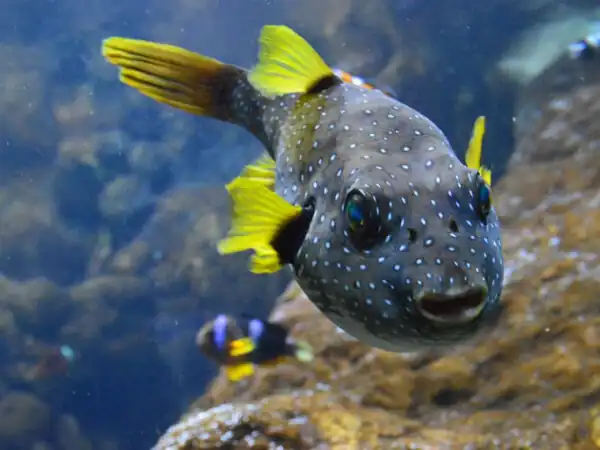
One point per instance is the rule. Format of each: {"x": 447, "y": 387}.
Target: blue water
{"x": 88, "y": 169}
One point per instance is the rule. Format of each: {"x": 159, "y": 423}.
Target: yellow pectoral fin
{"x": 263, "y": 165}
{"x": 265, "y": 260}
{"x": 239, "y": 372}
{"x": 475, "y": 149}
{"x": 261, "y": 171}
{"x": 473, "y": 155}
{"x": 259, "y": 214}
{"x": 286, "y": 63}
{"x": 486, "y": 174}
{"x": 240, "y": 347}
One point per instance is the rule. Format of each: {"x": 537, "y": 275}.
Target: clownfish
{"x": 241, "y": 344}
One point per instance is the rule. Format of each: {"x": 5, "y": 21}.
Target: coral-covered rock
{"x": 34, "y": 242}
{"x": 177, "y": 250}
{"x": 97, "y": 305}
{"x": 530, "y": 383}
{"x": 23, "y": 420}
{"x": 35, "y": 302}
{"x": 70, "y": 435}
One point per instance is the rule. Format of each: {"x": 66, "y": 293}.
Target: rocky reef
{"x": 531, "y": 383}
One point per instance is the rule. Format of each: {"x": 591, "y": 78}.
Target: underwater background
{"x": 111, "y": 206}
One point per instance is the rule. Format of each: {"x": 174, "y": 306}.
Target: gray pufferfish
{"x": 388, "y": 233}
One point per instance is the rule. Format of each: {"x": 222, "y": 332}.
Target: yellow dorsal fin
{"x": 239, "y": 372}
{"x": 240, "y": 347}
{"x": 262, "y": 170}
{"x": 258, "y": 215}
{"x": 286, "y": 63}
{"x": 473, "y": 154}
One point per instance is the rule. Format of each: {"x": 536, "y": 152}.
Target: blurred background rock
{"x": 111, "y": 204}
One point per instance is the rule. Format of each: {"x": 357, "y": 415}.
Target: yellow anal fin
{"x": 241, "y": 347}
{"x": 473, "y": 154}
{"x": 286, "y": 63}
{"x": 262, "y": 171}
{"x": 239, "y": 372}
{"x": 173, "y": 75}
{"x": 259, "y": 214}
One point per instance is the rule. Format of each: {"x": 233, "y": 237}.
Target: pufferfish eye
{"x": 484, "y": 200}
{"x": 363, "y": 219}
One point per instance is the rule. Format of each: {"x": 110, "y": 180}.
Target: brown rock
{"x": 70, "y": 435}
{"x": 34, "y": 302}
{"x": 96, "y": 304}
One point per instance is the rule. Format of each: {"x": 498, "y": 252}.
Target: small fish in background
{"x": 587, "y": 48}
{"x": 54, "y": 361}
{"x": 240, "y": 344}
{"x": 358, "y": 81}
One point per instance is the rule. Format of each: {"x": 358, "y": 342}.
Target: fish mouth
{"x": 452, "y": 308}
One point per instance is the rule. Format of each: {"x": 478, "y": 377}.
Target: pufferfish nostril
{"x": 412, "y": 235}
{"x": 453, "y": 226}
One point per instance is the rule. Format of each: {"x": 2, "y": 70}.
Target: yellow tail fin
{"x": 173, "y": 75}
{"x": 286, "y": 63}
{"x": 473, "y": 154}
{"x": 258, "y": 216}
